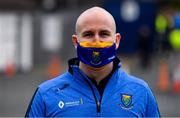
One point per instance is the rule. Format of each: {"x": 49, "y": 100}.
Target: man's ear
{"x": 74, "y": 40}
{"x": 118, "y": 38}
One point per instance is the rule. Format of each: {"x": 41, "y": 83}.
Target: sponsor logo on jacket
{"x": 62, "y": 104}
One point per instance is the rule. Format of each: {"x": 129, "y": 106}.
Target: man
{"x": 94, "y": 85}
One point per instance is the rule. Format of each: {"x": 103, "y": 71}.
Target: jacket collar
{"x": 81, "y": 80}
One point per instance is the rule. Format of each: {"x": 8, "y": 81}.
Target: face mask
{"x": 96, "y": 54}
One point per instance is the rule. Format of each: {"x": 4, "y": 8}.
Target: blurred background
{"x": 35, "y": 45}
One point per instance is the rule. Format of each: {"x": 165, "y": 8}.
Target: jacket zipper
{"x": 98, "y": 107}
{"x": 98, "y": 103}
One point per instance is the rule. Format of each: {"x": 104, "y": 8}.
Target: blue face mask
{"x": 96, "y": 57}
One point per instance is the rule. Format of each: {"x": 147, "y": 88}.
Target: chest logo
{"x": 126, "y": 101}
{"x": 62, "y": 104}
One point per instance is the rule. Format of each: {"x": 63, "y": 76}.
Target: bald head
{"x": 95, "y": 14}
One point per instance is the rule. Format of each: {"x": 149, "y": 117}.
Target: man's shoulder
{"x": 132, "y": 81}
{"x": 59, "y": 81}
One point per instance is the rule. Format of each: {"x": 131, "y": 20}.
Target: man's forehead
{"x": 95, "y": 14}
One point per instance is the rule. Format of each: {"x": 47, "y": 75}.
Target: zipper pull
{"x": 98, "y": 106}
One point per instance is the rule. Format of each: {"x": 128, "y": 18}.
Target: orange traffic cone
{"x": 10, "y": 70}
{"x": 163, "y": 79}
{"x": 54, "y": 68}
{"x": 176, "y": 79}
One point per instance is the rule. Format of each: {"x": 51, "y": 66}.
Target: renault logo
{"x": 61, "y": 104}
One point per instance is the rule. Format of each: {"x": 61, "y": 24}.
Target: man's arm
{"x": 36, "y": 107}
{"x": 152, "y": 109}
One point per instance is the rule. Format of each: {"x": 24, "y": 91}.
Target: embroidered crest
{"x": 96, "y": 57}
{"x": 126, "y": 101}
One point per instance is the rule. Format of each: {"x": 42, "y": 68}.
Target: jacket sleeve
{"x": 152, "y": 109}
{"x": 36, "y": 107}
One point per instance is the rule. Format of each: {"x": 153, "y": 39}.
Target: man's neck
{"x": 96, "y": 73}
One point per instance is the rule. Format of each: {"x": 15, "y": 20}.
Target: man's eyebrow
{"x": 86, "y": 32}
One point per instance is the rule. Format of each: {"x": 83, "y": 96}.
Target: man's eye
{"x": 104, "y": 34}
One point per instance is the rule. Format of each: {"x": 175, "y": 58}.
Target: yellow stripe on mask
{"x": 95, "y": 44}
